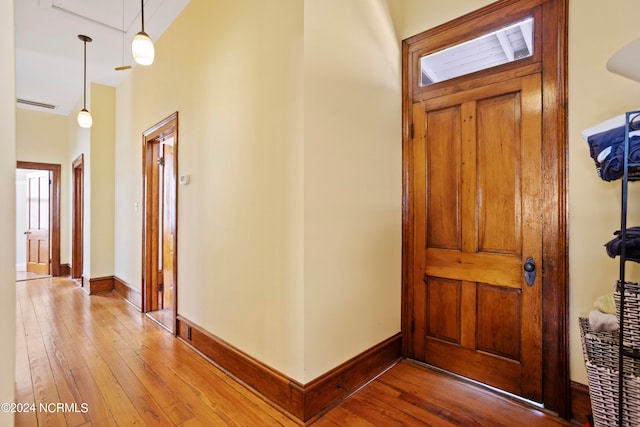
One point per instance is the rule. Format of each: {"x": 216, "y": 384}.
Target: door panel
{"x": 38, "y": 251}
{"x": 443, "y": 310}
{"x": 499, "y": 321}
{"x": 477, "y": 183}
{"x": 443, "y": 175}
{"x": 498, "y": 169}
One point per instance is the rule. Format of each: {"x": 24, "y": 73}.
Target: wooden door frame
{"x": 54, "y": 209}
{"x": 555, "y": 315}
{"x": 168, "y": 126}
{"x": 77, "y": 218}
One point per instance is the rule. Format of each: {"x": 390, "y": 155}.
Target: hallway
{"x": 108, "y": 365}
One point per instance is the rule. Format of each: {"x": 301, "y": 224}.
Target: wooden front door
{"x": 38, "y": 220}
{"x": 484, "y": 199}
{"x": 477, "y": 183}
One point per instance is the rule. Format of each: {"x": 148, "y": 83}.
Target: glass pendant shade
{"x": 84, "y": 118}
{"x": 142, "y": 49}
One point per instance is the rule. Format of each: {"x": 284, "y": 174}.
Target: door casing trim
{"x": 167, "y": 126}
{"x": 77, "y": 219}
{"x": 54, "y": 215}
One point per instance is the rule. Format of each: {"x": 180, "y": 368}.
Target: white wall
{"x": 7, "y": 209}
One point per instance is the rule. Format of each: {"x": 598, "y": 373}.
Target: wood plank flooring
{"x": 25, "y": 275}
{"x": 112, "y": 366}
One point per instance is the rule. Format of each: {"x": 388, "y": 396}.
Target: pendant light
{"x": 142, "y": 46}
{"x": 84, "y": 116}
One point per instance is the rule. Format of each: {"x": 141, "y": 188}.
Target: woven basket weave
{"x": 631, "y": 325}
{"x": 600, "y": 351}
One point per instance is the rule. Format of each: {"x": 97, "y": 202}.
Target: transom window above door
{"x": 504, "y": 45}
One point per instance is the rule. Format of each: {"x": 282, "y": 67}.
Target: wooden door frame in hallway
{"x": 164, "y": 129}
{"x": 77, "y": 220}
{"x": 54, "y": 209}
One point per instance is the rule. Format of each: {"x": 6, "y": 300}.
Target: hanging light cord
{"x": 84, "y": 102}
{"x": 123, "y": 32}
{"x": 142, "y": 13}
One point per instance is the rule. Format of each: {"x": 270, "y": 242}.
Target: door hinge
{"x": 160, "y": 287}
{"x": 161, "y": 161}
{"x": 411, "y": 130}
{"x": 413, "y": 325}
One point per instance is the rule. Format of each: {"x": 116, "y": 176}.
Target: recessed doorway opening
{"x": 160, "y": 237}
{"x": 37, "y": 220}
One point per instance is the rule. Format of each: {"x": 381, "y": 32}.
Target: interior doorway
{"x": 37, "y": 220}
{"x": 160, "y": 237}
{"x": 484, "y": 183}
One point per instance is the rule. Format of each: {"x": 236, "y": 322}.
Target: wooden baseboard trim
{"x": 65, "y": 269}
{"x": 580, "y": 403}
{"x": 333, "y": 387}
{"x": 302, "y": 402}
{"x": 97, "y": 285}
{"x": 273, "y": 386}
{"x": 128, "y": 292}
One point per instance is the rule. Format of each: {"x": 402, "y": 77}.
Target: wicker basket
{"x": 631, "y": 325}
{"x": 601, "y": 359}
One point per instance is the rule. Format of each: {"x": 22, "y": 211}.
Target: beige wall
{"x": 101, "y": 184}
{"x": 42, "y": 137}
{"x": 97, "y": 145}
{"x": 596, "y": 31}
{"x": 79, "y": 143}
{"x": 7, "y": 209}
{"x": 290, "y": 231}
{"x": 352, "y": 179}
{"x": 239, "y": 97}
{"x": 420, "y": 15}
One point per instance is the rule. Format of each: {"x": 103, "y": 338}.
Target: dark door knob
{"x": 529, "y": 271}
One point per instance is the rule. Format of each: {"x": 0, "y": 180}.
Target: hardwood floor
{"x": 111, "y": 366}
{"x": 410, "y": 394}
{"x": 25, "y": 275}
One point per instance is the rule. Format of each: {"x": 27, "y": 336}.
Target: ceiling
{"x": 49, "y": 55}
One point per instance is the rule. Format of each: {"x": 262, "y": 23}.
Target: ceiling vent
{"x": 36, "y": 104}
